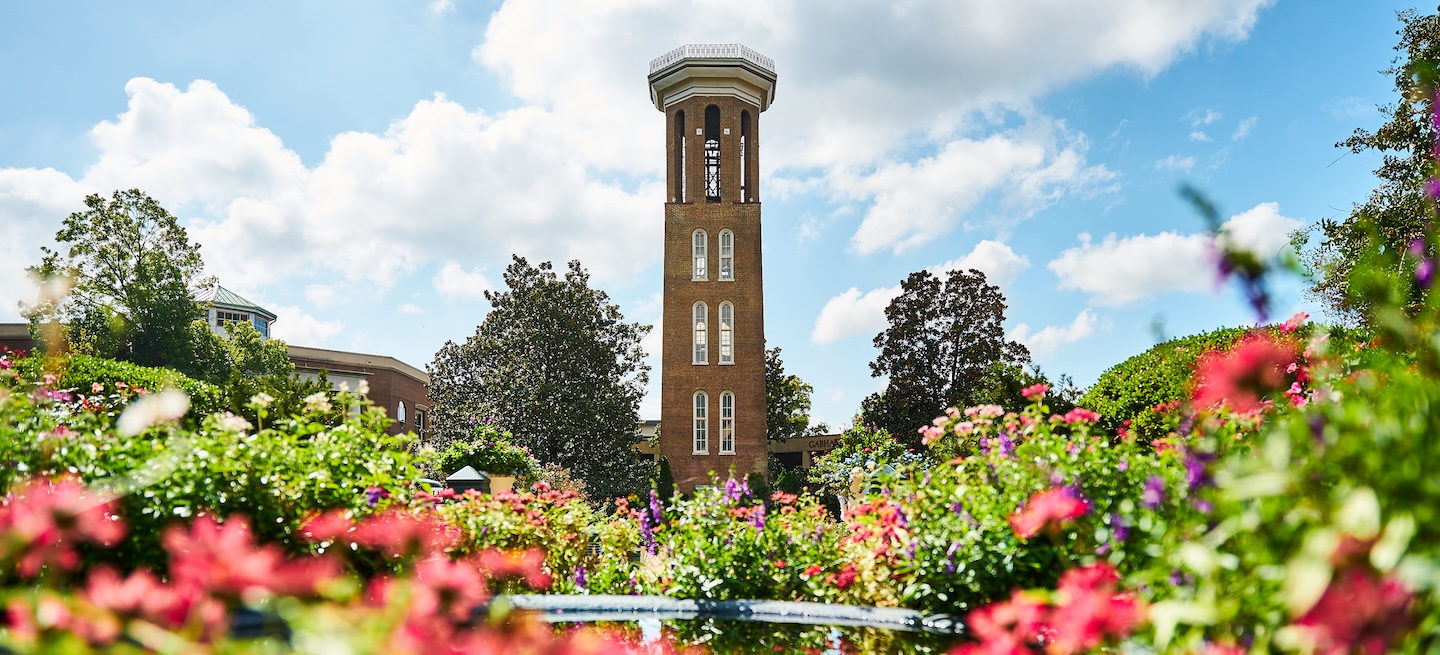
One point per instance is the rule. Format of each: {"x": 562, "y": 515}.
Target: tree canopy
{"x": 943, "y": 340}
{"x": 787, "y": 400}
{"x": 1397, "y": 210}
{"x": 555, "y": 363}
{"x": 134, "y": 273}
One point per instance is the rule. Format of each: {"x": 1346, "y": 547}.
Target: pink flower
{"x": 1294, "y": 322}
{"x": 1080, "y": 414}
{"x": 1047, "y": 511}
{"x": 1035, "y": 392}
{"x": 45, "y": 519}
{"x": 1242, "y": 377}
{"x": 1359, "y": 613}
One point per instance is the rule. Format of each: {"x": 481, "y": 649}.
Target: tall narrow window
{"x": 702, "y": 352}
{"x": 699, "y": 238}
{"x": 745, "y": 186}
{"x": 727, "y": 423}
{"x": 712, "y": 154}
{"x": 727, "y": 333}
{"x": 678, "y": 175}
{"x": 702, "y": 431}
{"x": 727, "y": 255}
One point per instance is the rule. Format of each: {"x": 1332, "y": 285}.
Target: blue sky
{"x": 365, "y": 169}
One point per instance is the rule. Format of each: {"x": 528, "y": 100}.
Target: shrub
{"x": 79, "y": 374}
{"x": 861, "y": 448}
{"x": 489, "y": 449}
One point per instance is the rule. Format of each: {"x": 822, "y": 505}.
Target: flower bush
{"x": 490, "y": 449}
{"x": 861, "y": 449}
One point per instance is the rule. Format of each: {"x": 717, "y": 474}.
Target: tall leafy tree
{"x": 134, "y": 272}
{"x": 945, "y": 336}
{"x": 1397, "y": 210}
{"x": 787, "y": 400}
{"x": 555, "y": 363}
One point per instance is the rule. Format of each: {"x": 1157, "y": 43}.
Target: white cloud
{"x": 1044, "y": 343}
{"x": 441, "y": 6}
{"x": 853, "y": 312}
{"x": 1175, "y": 163}
{"x": 1200, "y": 136}
{"x": 294, "y": 326}
{"x": 32, "y": 205}
{"x": 1117, "y": 271}
{"x": 996, "y": 260}
{"x": 1202, "y": 116}
{"x": 914, "y": 203}
{"x": 321, "y": 295}
{"x": 1243, "y": 129}
{"x": 409, "y": 308}
{"x": 455, "y": 282}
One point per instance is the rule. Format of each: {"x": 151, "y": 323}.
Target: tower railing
{"x": 712, "y": 51}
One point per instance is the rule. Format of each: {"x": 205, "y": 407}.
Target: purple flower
{"x": 757, "y": 518}
{"x": 1154, "y": 493}
{"x": 1425, "y": 273}
{"x": 372, "y": 495}
{"x": 1119, "y": 531}
{"x": 957, "y": 508}
{"x": 1203, "y": 505}
{"x": 1122, "y": 465}
{"x": 580, "y": 579}
{"x": 647, "y": 535}
{"x": 656, "y": 512}
{"x": 732, "y": 491}
{"x": 1196, "y": 475}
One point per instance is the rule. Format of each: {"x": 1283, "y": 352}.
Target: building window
{"x": 699, "y": 239}
{"x": 702, "y": 351}
{"x": 222, "y": 317}
{"x": 745, "y": 185}
{"x": 678, "y": 179}
{"x": 727, "y": 255}
{"x": 400, "y": 414}
{"x": 727, "y": 423}
{"x": 262, "y": 326}
{"x": 727, "y": 333}
{"x": 420, "y": 423}
{"x": 702, "y": 430}
{"x": 712, "y": 154}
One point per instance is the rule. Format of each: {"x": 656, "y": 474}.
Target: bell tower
{"x": 712, "y": 367}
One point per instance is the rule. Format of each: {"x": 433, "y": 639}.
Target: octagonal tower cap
{"x": 712, "y": 69}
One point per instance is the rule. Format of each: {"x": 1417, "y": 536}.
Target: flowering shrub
{"x": 555, "y": 523}
{"x": 276, "y": 474}
{"x": 861, "y": 449}
{"x": 490, "y": 449}
{"x": 216, "y": 568}
{"x": 105, "y": 385}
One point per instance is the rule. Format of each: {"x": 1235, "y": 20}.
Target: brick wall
{"x": 680, "y": 378}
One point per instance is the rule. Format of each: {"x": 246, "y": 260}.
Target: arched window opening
{"x": 698, "y": 240}
{"x": 727, "y": 423}
{"x": 400, "y": 414}
{"x": 678, "y": 176}
{"x": 727, "y": 333}
{"x": 745, "y": 185}
{"x": 712, "y": 154}
{"x": 701, "y": 445}
{"x": 702, "y": 351}
{"x": 727, "y": 255}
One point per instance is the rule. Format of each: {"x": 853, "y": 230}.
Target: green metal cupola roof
{"x": 221, "y": 297}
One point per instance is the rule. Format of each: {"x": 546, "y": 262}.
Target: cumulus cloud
{"x": 453, "y": 281}
{"x": 294, "y": 326}
{"x": 996, "y": 260}
{"x": 854, "y": 312}
{"x": 32, "y": 205}
{"x": 1044, "y": 343}
{"x": 1117, "y": 270}
{"x": 914, "y": 203}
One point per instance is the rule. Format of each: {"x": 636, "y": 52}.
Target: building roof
{"x": 222, "y": 297}
{"x": 338, "y": 360}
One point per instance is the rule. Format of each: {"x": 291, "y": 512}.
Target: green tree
{"x": 555, "y": 363}
{"x": 1397, "y": 210}
{"x": 938, "y": 351}
{"x": 787, "y": 401}
{"x": 134, "y": 272}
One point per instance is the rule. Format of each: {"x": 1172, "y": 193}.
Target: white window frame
{"x": 699, "y": 317}
{"x": 700, "y": 435}
{"x": 727, "y": 423}
{"x": 727, "y": 255}
{"x": 699, "y": 253}
{"x": 727, "y": 333}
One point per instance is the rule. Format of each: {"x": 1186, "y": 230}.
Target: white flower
{"x": 317, "y": 402}
{"x": 150, "y": 409}
{"x": 363, "y": 388}
{"x": 344, "y": 387}
{"x": 232, "y": 423}
{"x": 262, "y": 399}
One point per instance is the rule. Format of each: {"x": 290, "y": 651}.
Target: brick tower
{"x": 712, "y": 369}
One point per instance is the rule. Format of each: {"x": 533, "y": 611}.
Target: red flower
{"x": 1046, "y": 511}
{"x": 45, "y": 519}
{"x": 1359, "y": 612}
{"x": 1253, "y": 369}
{"x": 1091, "y": 610}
